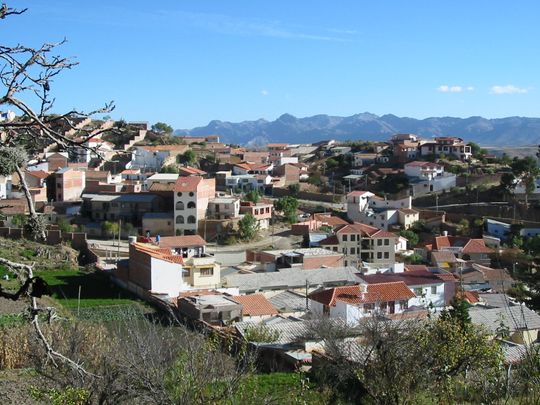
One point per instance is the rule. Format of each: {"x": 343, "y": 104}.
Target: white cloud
{"x": 264, "y": 92}
{"x": 445, "y": 88}
{"x": 508, "y": 89}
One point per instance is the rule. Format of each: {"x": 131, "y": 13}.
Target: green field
{"x": 100, "y": 299}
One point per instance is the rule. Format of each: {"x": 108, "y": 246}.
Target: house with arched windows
{"x": 191, "y": 196}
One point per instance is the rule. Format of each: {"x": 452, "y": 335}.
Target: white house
{"x": 367, "y": 208}
{"x": 423, "y": 170}
{"x": 352, "y": 303}
{"x": 5, "y": 186}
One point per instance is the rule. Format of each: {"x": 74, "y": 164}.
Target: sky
{"x": 189, "y": 62}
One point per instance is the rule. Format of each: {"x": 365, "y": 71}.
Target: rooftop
{"x": 187, "y": 183}
{"x": 255, "y": 305}
{"x": 286, "y": 279}
{"x": 516, "y": 318}
{"x": 381, "y": 292}
{"x": 303, "y": 252}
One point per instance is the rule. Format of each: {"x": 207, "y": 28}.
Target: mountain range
{"x": 510, "y": 131}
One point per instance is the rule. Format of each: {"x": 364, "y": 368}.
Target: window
{"x": 386, "y": 255}
{"x": 334, "y": 248}
{"x": 434, "y": 289}
{"x": 379, "y": 255}
{"x": 207, "y": 272}
{"x": 191, "y": 204}
{"x": 191, "y": 219}
{"x": 180, "y": 219}
{"x": 386, "y": 242}
{"x": 404, "y": 304}
{"x": 369, "y": 307}
{"x": 179, "y": 194}
{"x": 353, "y": 238}
{"x": 179, "y": 205}
{"x": 379, "y": 242}
{"x": 191, "y": 193}
{"x": 344, "y": 238}
{"x": 353, "y": 251}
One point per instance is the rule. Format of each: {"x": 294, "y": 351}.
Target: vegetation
{"x": 411, "y": 236}
{"x": 162, "y": 128}
{"x": 247, "y": 227}
{"x": 109, "y": 229}
{"x": 289, "y": 206}
{"x": 253, "y": 195}
{"x": 169, "y": 169}
{"x": 188, "y": 157}
{"x": 260, "y": 333}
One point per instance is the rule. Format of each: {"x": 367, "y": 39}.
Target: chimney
{"x": 445, "y": 233}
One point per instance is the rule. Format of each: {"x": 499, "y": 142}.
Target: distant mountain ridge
{"x": 510, "y": 131}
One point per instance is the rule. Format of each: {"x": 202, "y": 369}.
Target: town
{"x": 256, "y": 243}
{"x": 269, "y": 203}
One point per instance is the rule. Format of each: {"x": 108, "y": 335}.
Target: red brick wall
{"x": 140, "y": 268}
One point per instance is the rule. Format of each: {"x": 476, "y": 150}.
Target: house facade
{"x": 352, "y": 303}
{"x": 191, "y": 197}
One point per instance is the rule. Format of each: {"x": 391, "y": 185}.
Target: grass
{"x": 96, "y": 289}
{"x": 285, "y": 388}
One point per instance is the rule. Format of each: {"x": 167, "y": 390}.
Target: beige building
{"x": 363, "y": 243}
{"x": 191, "y": 197}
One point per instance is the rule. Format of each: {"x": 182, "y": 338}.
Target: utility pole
{"x": 119, "y": 233}
{"x": 307, "y": 300}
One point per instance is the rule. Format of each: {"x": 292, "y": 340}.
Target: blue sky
{"x": 188, "y": 62}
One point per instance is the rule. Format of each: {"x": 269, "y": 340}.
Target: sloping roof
{"x": 410, "y": 278}
{"x": 443, "y": 257}
{"x": 158, "y": 252}
{"x": 97, "y": 174}
{"x": 365, "y": 230}
{"x": 191, "y": 170}
{"x": 468, "y": 245}
{"x": 288, "y": 301}
{"x": 423, "y": 164}
{"x": 162, "y": 187}
{"x": 331, "y": 240}
{"x": 181, "y": 241}
{"x": 171, "y": 148}
{"x": 476, "y": 246}
{"x": 331, "y": 220}
{"x": 358, "y": 193}
{"x": 187, "y": 183}
{"x": 516, "y": 318}
{"x": 40, "y": 174}
{"x": 131, "y": 171}
{"x": 255, "y": 305}
{"x": 381, "y": 292}
{"x": 286, "y": 332}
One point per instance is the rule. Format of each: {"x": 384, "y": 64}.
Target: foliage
{"x": 65, "y": 396}
{"x": 253, "y": 195}
{"x": 315, "y": 179}
{"x": 247, "y": 227}
{"x": 294, "y": 189}
{"x": 189, "y": 157}
{"x": 163, "y": 128}
{"x": 109, "y": 228}
{"x": 411, "y": 237}
{"x": 169, "y": 169}
{"x": 415, "y": 258}
{"x": 261, "y": 334}
{"x": 289, "y": 206}
{"x": 463, "y": 227}
{"x": 419, "y": 226}
{"x": 12, "y": 159}
{"x": 64, "y": 225}
{"x": 19, "y": 220}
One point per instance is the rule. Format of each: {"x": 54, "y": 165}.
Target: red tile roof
{"x": 382, "y": 292}
{"x": 468, "y": 245}
{"x": 158, "y": 253}
{"x": 187, "y": 183}
{"x": 255, "y": 305}
{"x": 365, "y": 230}
{"x": 191, "y": 170}
{"x": 181, "y": 241}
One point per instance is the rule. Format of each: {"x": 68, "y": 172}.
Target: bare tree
{"x": 26, "y": 76}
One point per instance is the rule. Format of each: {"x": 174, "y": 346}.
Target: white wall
{"x": 426, "y": 297}
{"x": 166, "y": 278}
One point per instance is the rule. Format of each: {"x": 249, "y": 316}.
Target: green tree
{"x": 162, "y": 128}
{"x": 415, "y": 258}
{"x": 294, "y": 189}
{"x": 253, "y": 195}
{"x": 526, "y": 170}
{"x": 247, "y": 227}
{"x": 109, "y": 228}
{"x": 189, "y": 157}
{"x": 64, "y": 225}
{"x": 463, "y": 227}
{"x": 411, "y": 237}
{"x": 19, "y": 220}
{"x": 169, "y": 169}
{"x": 289, "y": 206}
